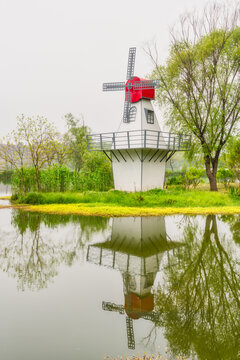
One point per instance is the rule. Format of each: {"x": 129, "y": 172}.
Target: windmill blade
{"x": 130, "y": 333}
{"x": 127, "y": 106}
{"x": 131, "y": 62}
{"x": 108, "y": 306}
{"x": 114, "y": 86}
{"x": 146, "y": 84}
{"x": 153, "y": 316}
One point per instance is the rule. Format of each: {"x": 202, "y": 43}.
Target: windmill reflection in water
{"x": 136, "y": 248}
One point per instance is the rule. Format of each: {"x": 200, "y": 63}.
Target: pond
{"x": 85, "y": 287}
{"x": 5, "y": 189}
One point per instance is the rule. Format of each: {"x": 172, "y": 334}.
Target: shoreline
{"x": 122, "y": 211}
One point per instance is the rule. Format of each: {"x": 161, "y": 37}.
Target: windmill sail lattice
{"x": 131, "y": 62}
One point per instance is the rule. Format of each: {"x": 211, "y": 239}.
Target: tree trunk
{"x": 37, "y": 174}
{"x": 22, "y": 186}
{"x": 211, "y": 170}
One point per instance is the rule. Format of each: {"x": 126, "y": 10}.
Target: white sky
{"x": 55, "y": 55}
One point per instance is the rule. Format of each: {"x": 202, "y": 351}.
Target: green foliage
{"x": 96, "y": 174}
{"x": 234, "y": 224}
{"x": 193, "y": 177}
{"x": 23, "y": 180}
{"x": 225, "y": 176}
{"x": 26, "y": 220}
{"x": 34, "y": 143}
{"x": 176, "y": 180}
{"x": 5, "y": 176}
{"x": 198, "y": 305}
{"x": 55, "y": 178}
{"x": 151, "y": 198}
{"x": 76, "y": 140}
{"x": 233, "y": 156}
{"x": 32, "y": 259}
{"x": 234, "y": 191}
{"x": 199, "y": 84}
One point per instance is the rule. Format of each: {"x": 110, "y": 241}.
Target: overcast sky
{"x": 55, "y": 55}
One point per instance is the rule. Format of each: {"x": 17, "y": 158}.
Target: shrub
{"x": 225, "y": 176}
{"x": 193, "y": 177}
{"x": 33, "y": 198}
{"x": 176, "y": 180}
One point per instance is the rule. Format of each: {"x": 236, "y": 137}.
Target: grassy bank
{"x": 153, "y": 198}
{"x": 117, "y": 211}
{"x": 117, "y": 203}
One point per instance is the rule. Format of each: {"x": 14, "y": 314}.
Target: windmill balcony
{"x": 138, "y": 139}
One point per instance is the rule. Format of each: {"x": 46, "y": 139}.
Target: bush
{"x": 14, "y": 197}
{"x": 32, "y": 198}
{"x": 96, "y": 173}
{"x": 225, "y": 176}
{"x": 176, "y": 180}
{"x": 193, "y": 177}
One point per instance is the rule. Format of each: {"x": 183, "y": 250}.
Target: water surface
{"x": 84, "y": 287}
{"x": 5, "y": 189}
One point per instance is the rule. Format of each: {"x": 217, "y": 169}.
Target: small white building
{"x": 139, "y": 150}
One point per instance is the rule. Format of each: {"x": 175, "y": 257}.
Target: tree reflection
{"x": 199, "y": 303}
{"x": 234, "y": 224}
{"x": 33, "y": 254}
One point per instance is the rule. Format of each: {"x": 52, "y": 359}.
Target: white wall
{"x": 136, "y": 175}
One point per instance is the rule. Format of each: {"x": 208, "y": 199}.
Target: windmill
{"x": 136, "y": 249}
{"x": 135, "y": 88}
{"x": 139, "y": 150}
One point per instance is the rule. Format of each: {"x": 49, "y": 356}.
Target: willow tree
{"x": 200, "y": 81}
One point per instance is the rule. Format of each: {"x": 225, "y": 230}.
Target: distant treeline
{"x": 5, "y": 176}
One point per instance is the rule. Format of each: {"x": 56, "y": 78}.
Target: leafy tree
{"x": 62, "y": 151}
{"x": 76, "y": 140}
{"x": 39, "y": 137}
{"x": 199, "y": 84}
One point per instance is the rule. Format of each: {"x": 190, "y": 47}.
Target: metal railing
{"x": 138, "y": 139}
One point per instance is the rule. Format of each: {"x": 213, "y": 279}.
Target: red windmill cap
{"x": 136, "y": 306}
{"x": 138, "y": 94}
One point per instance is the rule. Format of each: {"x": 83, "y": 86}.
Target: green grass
{"x": 153, "y": 198}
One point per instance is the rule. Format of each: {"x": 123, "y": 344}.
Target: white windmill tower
{"x": 139, "y": 149}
